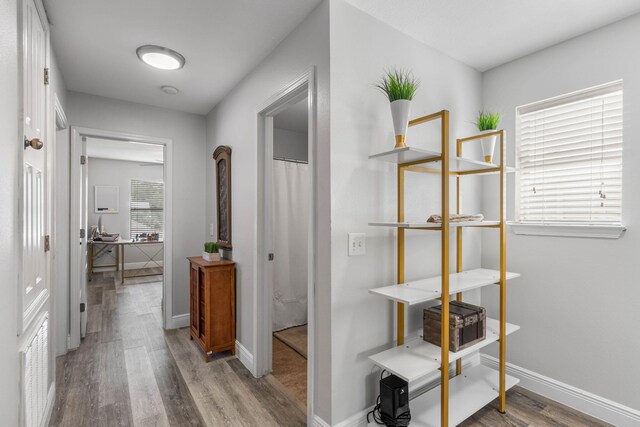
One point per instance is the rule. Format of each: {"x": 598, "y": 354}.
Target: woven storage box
{"x": 467, "y": 325}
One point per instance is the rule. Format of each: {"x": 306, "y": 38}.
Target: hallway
{"x": 125, "y": 372}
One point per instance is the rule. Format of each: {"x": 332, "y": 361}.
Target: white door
{"x": 36, "y": 372}
{"x": 35, "y": 198}
{"x": 84, "y": 270}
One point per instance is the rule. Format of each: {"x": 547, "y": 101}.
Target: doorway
{"x": 120, "y": 220}
{"x": 289, "y": 226}
{"x": 285, "y": 271}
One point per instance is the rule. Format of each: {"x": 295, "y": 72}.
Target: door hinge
{"x": 82, "y": 233}
{"x": 47, "y": 243}
{"x": 83, "y": 160}
{"x": 82, "y": 307}
{"x": 270, "y": 257}
{"x": 46, "y": 76}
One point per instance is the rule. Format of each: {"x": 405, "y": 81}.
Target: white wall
{"x": 9, "y": 233}
{"x": 577, "y": 300}
{"x": 289, "y": 144}
{"x": 188, "y": 134}
{"x": 233, "y": 122}
{"x": 364, "y": 190}
{"x": 120, "y": 173}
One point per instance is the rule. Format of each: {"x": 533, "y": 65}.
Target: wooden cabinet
{"x": 213, "y": 305}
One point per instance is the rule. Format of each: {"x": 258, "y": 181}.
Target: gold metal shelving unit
{"x": 400, "y": 359}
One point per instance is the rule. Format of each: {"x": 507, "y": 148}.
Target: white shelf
{"x": 405, "y": 155}
{"x": 456, "y": 164}
{"x": 468, "y": 393}
{"x": 417, "y": 358}
{"x": 424, "y": 290}
{"x": 425, "y": 224}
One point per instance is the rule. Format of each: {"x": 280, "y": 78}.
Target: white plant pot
{"x": 488, "y": 144}
{"x": 211, "y": 257}
{"x": 400, "y": 116}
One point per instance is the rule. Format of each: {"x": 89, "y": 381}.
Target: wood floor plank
{"x": 63, "y": 385}
{"x": 114, "y": 391}
{"x": 212, "y": 410}
{"x": 81, "y": 406}
{"x": 115, "y": 415}
{"x": 94, "y": 295}
{"x": 283, "y": 408}
{"x": 94, "y": 318}
{"x": 178, "y": 402}
{"x": 110, "y": 327}
{"x": 570, "y": 417}
{"x": 237, "y": 399}
{"x": 85, "y": 368}
{"x": 290, "y": 369}
{"x": 146, "y": 403}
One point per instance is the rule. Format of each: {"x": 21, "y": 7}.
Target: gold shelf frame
{"x": 446, "y": 174}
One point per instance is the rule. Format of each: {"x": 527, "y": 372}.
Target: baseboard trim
{"x": 245, "y": 357}
{"x": 179, "y": 321}
{"x": 360, "y": 419}
{"x": 51, "y": 396}
{"x": 581, "y": 400}
{"x": 319, "y": 422}
{"x": 130, "y": 266}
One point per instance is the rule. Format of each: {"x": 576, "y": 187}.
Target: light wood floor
{"x": 289, "y": 368}
{"x": 129, "y": 372}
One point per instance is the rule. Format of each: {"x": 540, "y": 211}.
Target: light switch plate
{"x": 357, "y": 244}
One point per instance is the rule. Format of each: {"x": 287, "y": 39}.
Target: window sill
{"x": 569, "y": 230}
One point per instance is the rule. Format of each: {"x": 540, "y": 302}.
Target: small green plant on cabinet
{"x": 487, "y": 121}
{"x": 211, "y": 247}
{"x": 398, "y": 84}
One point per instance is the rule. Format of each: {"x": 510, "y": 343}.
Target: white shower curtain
{"x": 290, "y": 219}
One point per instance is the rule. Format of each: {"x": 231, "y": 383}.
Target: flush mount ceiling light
{"x": 170, "y": 90}
{"x": 160, "y": 57}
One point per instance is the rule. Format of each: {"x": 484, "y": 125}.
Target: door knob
{"x": 35, "y": 143}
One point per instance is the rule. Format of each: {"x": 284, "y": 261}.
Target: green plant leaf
{"x": 398, "y": 84}
{"x": 487, "y": 121}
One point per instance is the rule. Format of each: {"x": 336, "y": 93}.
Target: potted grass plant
{"x": 399, "y": 86}
{"x": 211, "y": 252}
{"x": 488, "y": 122}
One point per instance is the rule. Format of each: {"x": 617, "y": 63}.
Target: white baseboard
{"x": 130, "y": 266}
{"x": 583, "y": 401}
{"x": 179, "y": 321}
{"x": 360, "y": 419}
{"x": 319, "y": 422}
{"x": 245, "y": 357}
{"x": 49, "y": 408}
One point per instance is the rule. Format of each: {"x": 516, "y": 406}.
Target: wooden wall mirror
{"x": 222, "y": 157}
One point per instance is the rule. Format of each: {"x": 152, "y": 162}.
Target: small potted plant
{"x": 211, "y": 252}
{"x": 487, "y": 123}
{"x": 399, "y": 86}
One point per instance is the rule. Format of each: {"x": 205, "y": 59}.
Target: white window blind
{"x": 146, "y": 208}
{"x": 570, "y": 158}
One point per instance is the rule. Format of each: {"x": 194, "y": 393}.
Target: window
{"x": 570, "y": 158}
{"x": 146, "y": 208}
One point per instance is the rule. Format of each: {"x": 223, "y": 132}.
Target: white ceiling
{"x": 222, "y": 40}
{"x": 294, "y": 118}
{"x": 487, "y": 33}
{"x": 98, "y": 148}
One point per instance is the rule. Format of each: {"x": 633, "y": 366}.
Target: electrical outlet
{"x": 357, "y": 244}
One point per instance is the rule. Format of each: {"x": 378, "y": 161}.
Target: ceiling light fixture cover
{"x": 170, "y": 90}
{"x": 160, "y": 57}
